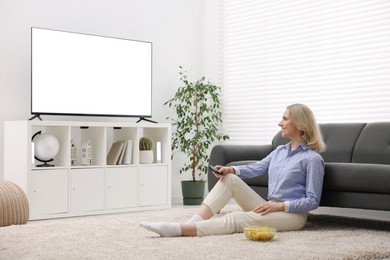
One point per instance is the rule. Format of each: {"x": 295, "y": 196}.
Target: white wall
{"x": 176, "y": 28}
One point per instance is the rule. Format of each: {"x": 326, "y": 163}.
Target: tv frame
{"x": 37, "y": 114}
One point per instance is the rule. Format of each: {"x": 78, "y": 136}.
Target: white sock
{"x": 164, "y": 229}
{"x": 195, "y": 218}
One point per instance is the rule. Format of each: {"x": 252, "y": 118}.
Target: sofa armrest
{"x": 224, "y": 154}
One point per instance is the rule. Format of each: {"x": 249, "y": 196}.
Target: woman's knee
{"x": 230, "y": 178}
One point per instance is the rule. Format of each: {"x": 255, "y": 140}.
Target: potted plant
{"x": 195, "y": 128}
{"x": 146, "y": 150}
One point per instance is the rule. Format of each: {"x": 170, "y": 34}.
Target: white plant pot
{"x": 146, "y": 157}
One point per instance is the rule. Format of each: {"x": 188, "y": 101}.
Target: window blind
{"x": 333, "y": 56}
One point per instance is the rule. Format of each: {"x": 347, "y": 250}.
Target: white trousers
{"x": 232, "y": 187}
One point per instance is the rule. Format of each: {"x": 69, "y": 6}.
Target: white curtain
{"x": 332, "y": 55}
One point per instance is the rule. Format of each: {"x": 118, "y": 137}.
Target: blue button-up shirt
{"x": 294, "y": 177}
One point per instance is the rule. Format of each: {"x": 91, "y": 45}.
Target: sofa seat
{"x": 357, "y": 177}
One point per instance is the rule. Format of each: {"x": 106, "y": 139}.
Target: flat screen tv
{"x": 89, "y": 75}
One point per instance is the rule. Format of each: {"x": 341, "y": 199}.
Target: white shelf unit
{"x": 66, "y": 190}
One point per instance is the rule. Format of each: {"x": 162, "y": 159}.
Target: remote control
{"x": 214, "y": 169}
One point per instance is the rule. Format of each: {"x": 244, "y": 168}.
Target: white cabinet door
{"x": 87, "y": 189}
{"x": 153, "y": 185}
{"x": 121, "y": 187}
{"x": 49, "y": 192}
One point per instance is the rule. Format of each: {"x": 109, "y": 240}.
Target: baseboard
{"x": 356, "y": 213}
{"x": 177, "y": 200}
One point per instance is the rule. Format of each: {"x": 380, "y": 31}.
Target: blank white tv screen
{"x": 81, "y": 74}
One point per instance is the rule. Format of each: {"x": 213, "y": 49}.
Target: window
{"x": 332, "y": 55}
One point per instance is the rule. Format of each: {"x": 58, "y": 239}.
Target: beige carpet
{"x": 119, "y": 236}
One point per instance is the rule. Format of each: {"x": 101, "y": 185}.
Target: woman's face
{"x": 288, "y": 127}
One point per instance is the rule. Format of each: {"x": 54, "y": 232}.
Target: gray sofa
{"x": 357, "y": 164}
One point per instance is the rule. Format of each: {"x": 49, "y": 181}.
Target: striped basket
{"x": 14, "y": 208}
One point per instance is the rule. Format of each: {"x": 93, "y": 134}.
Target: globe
{"x": 46, "y": 146}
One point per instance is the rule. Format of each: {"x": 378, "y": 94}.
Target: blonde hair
{"x": 304, "y": 120}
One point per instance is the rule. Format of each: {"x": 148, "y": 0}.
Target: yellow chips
{"x": 260, "y": 233}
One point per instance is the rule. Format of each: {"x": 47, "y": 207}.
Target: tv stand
{"x": 36, "y": 116}
{"x": 70, "y": 188}
{"x": 145, "y": 119}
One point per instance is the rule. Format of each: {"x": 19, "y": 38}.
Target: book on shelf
{"x": 127, "y": 152}
{"x": 115, "y": 152}
{"x": 122, "y": 153}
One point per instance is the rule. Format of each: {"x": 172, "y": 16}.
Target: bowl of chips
{"x": 260, "y": 233}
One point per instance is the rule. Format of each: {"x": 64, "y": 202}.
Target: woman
{"x": 295, "y": 171}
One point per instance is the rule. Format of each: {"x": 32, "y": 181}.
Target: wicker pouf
{"x": 14, "y": 208}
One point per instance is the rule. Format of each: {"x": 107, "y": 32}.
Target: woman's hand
{"x": 268, "y": 207}
{"x": 223, "y": 171}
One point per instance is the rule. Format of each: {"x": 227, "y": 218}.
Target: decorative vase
{"x": 193, "y": 192}
{"x": 146, "y": 157}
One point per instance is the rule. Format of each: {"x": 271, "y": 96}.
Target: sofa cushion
{"x": 373, "y": 145}
{"x": 357, "y": 177}
{"x": 340, "y": 140}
